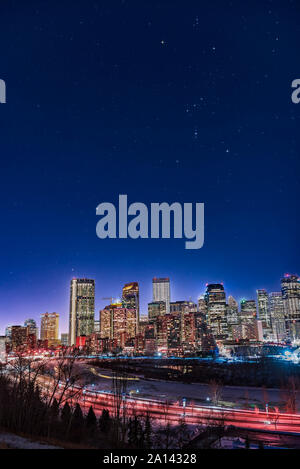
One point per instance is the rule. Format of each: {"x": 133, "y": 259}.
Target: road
{"x": 193, "y": 415}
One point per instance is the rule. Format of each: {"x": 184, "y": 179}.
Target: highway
{"x": 174, "y": 412}
{"x": 164, "y": 411}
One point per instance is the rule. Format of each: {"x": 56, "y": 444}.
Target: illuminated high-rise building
{"x": 156, "y": 308}
{"x": 290, "y": 288}
{"x": 232, "y": 311}
{"x": 19, "y": 336}
{"x": 205, "y": 341}
{"x": 49, "y": 328}
{"x": 215, "y": 298}
{"x": 106, "y": 325}
{"x": 188, "y": 331}
{"x": 32, "y": 327}
{"x": 118, "y": 323}
{"x": 248, "y": 331}
{"x": 248, "y": 311}
{"x": 276, "y": 312}
{"x": 168, "y": 329}
{"x": 161, "y": 291}
{"x": 263, "y": 311}
{"x": 82, "y": 308}
{"x": 232, "y": 314}
{"x": 131, "y": 297}
{"x": 179, "y": 307}
{"x": 202, "y": 306}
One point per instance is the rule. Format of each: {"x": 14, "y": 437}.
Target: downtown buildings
{"x": 179, "y": 328}
{"x": 119, "y": 325}
{"x": 290, "y": 289}
{"x": 161, "y": 291}
{"x": 82, "y": 308}
{"x": 49, "y": 328}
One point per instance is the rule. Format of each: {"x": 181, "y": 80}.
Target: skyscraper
{"x": 180, "y": 307}
{"x": 232, "y": 311}
{"x": 290, "y": 288}
{"x": 263, "y": 311}
{"x": 168, "y": 332}
{"x": 248, "y": 311}
{"x": 161, "y": 291}
{"x": 215, "y": 298}
{"x": 118, "y": 323}
{"x": 202, "y": 306}
{"x": 156, "y": 308}
{"x": 131, "y": 297}
{"x": 32, "y": 327}
{"x": 82, "y": 308}
{"x": 19, "y": 336}
{"x": 49, "y": 328}
{"x": 276, "y": 311}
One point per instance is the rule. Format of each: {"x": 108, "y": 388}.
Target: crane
{"x": 112, "y": 299}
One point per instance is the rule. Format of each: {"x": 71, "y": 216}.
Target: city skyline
{"x": 64, "y": 316}
{"x": 160, "y": 102}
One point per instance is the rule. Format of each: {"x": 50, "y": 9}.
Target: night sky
{"x": 165, "y": 101}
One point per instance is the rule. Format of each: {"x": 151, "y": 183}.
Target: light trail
{"x": 174, "y": 413}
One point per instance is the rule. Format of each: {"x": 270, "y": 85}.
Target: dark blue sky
{"x": 163, "y": 101}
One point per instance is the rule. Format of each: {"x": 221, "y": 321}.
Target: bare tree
{"x": 215, "y": 391}
{"x": 61, "y": 381}
{"x": 119, "y": 390}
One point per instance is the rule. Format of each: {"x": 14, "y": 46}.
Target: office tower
{"x": 202, "y": 306}
{"x": 290, "y": 288}
{"x": 263, "y": 311}
{"x": 64, "y": 339}
{"x": 215, "y": 298}
{"x": 118, "y": 324}
{"x": 106, "y": 326}
{"x": 232, "y": 311}
{"x": 215, "y": 293}
{"x": 32, "y": 327}
{"x": 168, "y": 332}
{"x": 188, "y": 331}
{"x": 179, "y": 307}
{"x": 156, "y": 308}
{"x": 276, "y": 312}
{"x": 82, "y": 308}
{"x": 131, "y": 297}
{"x": 161, "y": 291}
{"x": 49, "y": 328}
{"x": 248, "y": 311}
{"x": 150, "y": 338}
{"x": 144, "y": 321}
{"x": 250, "y": 331}
{"x": 205, "y": 341}
{"x": 18, "y": 337}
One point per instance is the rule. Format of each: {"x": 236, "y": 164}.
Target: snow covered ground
{"x": 18, "y": 442}
{"x": 235, "y": 396}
